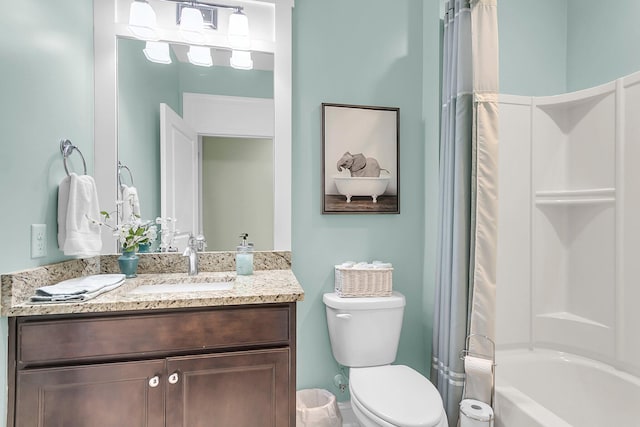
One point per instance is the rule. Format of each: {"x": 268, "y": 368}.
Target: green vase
{"x": 128, "y": 263}
{"x": 144, "y": 248}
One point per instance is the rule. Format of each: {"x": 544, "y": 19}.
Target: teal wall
{"x": 549, "y": 47}
{"x": 603, "y": 41}
{"x": 363, "y": 52}
{"x": 226, "y": 81}
{"x": 533, "y": 46}
{"x": 46, "y": 93}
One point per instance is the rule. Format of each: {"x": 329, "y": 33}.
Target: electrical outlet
{"x": 38, "y": 240}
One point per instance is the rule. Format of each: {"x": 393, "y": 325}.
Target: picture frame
{"x": 360, "y": 159}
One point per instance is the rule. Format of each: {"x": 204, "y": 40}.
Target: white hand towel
{"x": 130, "y": 203}
{"x": 63, "y": 205}
{"x": 81, "y": 236}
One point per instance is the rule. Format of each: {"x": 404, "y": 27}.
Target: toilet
{"x": 364, "y": 334}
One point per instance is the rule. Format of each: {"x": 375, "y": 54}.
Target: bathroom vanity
{"x": 224, "y": 358}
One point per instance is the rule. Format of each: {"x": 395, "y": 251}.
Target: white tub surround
{"x": 568, "y": 249}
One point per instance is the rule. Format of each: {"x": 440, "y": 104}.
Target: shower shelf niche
{"x": 574, "y": 219}
{"x": 576, "y": 197}
{"x": 563, "y": 315}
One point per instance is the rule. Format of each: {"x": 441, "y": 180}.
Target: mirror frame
{"x": 106, "y": 32}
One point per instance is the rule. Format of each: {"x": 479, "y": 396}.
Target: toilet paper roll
{"x": 479, "y": 378}
{"x": 474, "y": 413}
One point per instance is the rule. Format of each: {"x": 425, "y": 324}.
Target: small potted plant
{"x": 131, "y": 235}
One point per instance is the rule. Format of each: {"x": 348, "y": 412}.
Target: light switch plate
{"x": 38, "y": 240}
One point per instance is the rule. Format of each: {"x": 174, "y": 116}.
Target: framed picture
{"x": 360, "y": 159}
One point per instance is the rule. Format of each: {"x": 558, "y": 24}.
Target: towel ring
{"x": 120, "y": 167}
{"x": 66, "y": 148}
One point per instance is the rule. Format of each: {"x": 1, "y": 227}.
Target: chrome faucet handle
{"x": 192, "y": 242}
{"x": 201, "y": 242}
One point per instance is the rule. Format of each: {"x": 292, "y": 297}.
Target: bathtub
{"x": 545, "y": 388}
{"x": 362, "y": 186}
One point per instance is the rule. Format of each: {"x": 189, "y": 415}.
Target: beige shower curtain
{"x": 484, "y": 40}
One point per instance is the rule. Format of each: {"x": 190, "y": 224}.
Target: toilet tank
{"x": 364, "y": 331}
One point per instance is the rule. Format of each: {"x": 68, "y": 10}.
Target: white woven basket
{"x": 363, "y": 282}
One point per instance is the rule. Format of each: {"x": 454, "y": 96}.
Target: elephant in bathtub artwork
{"x": 367, "y": 177}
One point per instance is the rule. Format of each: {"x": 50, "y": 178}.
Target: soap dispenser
{"x": 244, "y": 257}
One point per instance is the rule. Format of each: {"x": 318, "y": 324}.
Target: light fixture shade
{"x": 142, "y": 20}
{"x": 239, "y": 31}
{"x": 200, "y": 55}
{"x": 157, "y": 52}
{"x": 241, "y": 59}
{"x": 191, "y": 25}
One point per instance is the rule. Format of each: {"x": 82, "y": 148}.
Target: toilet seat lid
{"x": 397, "y": 394}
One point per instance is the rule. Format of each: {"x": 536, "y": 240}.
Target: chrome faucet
{"x": 194, "y": 245}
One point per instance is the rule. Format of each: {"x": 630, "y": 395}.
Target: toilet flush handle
{"x": 345, "y": 316}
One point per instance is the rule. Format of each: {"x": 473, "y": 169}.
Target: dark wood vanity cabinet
{"x": 229, "y": 366}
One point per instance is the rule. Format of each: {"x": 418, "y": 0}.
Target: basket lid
{"x": 366, "y": 303}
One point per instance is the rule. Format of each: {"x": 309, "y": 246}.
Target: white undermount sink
{"x": 187, "y": 284}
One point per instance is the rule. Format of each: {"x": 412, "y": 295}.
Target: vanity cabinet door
{"x": 239, "y": 389}
{"x": 105, "y": 395}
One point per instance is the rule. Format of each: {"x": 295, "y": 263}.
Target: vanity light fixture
{"x": 200, "y": 55}
{"x": 241, "y": 59}
{"x": 157, "y": 52}
{"x": 142, "y": 20}
{"x": 191, "y": 25}
{"x": 239, "y": 31}
{"x": 192, "y": 18}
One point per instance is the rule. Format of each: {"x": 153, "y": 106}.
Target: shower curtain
{"x": 467, "y": 234}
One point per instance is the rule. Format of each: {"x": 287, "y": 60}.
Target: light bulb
{"x": 241, "y": 59}
{"x": 191, "y": 25}
{"x": 239, "y": 31}
{"x": 200, "y": 55}
{"x": 142, "y": 20}
{"x": 157, "y": 52}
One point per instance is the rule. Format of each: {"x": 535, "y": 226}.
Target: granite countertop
{"x": 272, "y": 282}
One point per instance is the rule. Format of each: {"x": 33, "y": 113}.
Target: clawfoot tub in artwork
{"x": 367, "y": 178}
{"x": 372, "y": 186}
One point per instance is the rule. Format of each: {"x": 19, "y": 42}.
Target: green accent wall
{"x": 367, "y": 53}
{"x": 237, "y": 192}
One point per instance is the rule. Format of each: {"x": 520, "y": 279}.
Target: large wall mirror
{"x": 241, "y": 120}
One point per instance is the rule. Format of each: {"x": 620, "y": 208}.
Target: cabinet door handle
{"x": 154, "y": 381}
{"x": 173, "y": 378}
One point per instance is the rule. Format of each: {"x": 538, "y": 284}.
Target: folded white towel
{"x": 57, "y": 298}
{"x": 77, "y": 235}
{"x": 130, "y": 203}
{"x": 81, "y": 285}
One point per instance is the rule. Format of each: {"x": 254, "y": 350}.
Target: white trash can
{"x": 474, "y": 413}
{"x": 317, "y": 408}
